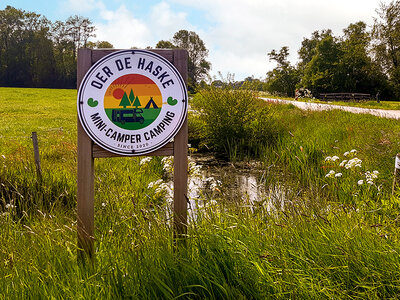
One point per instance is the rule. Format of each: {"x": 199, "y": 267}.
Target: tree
{"x": 26, "y": 51}
{"x": 125, "y": 101}
{"x": 309, "y": 46}
{"x": 198, "y": 66}
{"x": 165, "y": 45}
{"x": 386, "y": 34}
{"x": 64, "y": 53}
{"x": 35, "y": 52}
{"x": 79, "y": 29}
{"x": 136, "y": 103}
{"x": 357, "y": 72}
{"x": 134, "y": 100}
{"x": 320, "y": 73}
{"x": 284, "y": 77}
{"x": 99, "y": 45}
{"x": 12, "y": 40}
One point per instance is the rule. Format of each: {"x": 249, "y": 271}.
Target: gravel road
{"x": 390, "y": 114}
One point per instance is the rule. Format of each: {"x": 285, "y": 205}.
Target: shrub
{"x": 234, "y": 122}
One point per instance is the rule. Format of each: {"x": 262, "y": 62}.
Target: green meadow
{"x": 315, "y": 235}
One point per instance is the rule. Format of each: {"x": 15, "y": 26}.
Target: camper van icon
{"x": 127, "y": 115}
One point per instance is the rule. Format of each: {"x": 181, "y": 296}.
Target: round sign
{"x": 132, "y": 102}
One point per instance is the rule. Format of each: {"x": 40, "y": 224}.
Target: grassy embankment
{"x": 332, "y": 238}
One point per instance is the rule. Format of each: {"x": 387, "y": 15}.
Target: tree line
{"x": 35, "y": 52}
{"x": 360, "y": 60}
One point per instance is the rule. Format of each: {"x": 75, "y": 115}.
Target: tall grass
{"x": 303, "y": 242}
{"x": 231, "y": 252}
{"x": 310, "y": 137}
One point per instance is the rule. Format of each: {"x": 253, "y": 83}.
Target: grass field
{"x": 319, "y": 237}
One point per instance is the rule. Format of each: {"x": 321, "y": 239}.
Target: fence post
{"x": 36, "y": 154}
{"x": 396, "y": 175}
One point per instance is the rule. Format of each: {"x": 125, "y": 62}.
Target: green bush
{"x": 233, "y": 122}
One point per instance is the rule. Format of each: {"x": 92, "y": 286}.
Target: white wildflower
{"x": 145, "y": 160}
{"x": 194, "y": 169}
{"x": 331, "y": 174}
{"x": 352, "y": 163}
{"x": 168, "y": 163}
{"x": 103, "y": 204}
{"x": 9, "y": 206}
{"x": 210, "y": 179}
{"x": 337, "y": 175}
{"x": 371, "y": 176}
{"x": 354, "y": 151}
{"x": 167, "y": 159}
{"x": 328, "y": 158}
{"x": 3, "y": 156}
{"x": 162, "y": 188}
{"x": 370, "y": 182}
{"x": 213, "y": 186}
{"x": 335, "y": 158}
{"x": 155, "y": 183}
{"x": 346, "y": 153}
{"x": 342, "y": 164}
{"x": 360, "y": 182}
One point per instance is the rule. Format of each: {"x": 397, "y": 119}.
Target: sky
{"x": 238, "y": 34}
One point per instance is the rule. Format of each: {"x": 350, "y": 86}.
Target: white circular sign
{"x": 132, "y": 102}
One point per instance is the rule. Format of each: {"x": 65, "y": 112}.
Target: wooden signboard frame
{"x": 88, "y": 151}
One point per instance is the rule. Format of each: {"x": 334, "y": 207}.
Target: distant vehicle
{"x": 127, "y": 115}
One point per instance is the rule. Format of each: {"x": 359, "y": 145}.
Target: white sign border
{"x": 139, "y": 152}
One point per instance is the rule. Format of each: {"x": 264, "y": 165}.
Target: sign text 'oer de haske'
{"x": 132, "y": 102}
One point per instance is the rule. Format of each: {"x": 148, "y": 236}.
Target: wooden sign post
{"x": 88, "y": 151}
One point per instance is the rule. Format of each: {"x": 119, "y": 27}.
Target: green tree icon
{"x": 137, "y": 102}
{"x": 132, "y": 97}
{"x": 125, "y": 101}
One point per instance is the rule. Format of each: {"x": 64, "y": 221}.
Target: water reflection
{"x": 243, "y": 184}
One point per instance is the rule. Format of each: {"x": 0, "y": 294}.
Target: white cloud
{"x": 122, "y": 29}
{"x": 164, "y": 22}
{"x": 240, "y": 65}
{"x": 125, "y": 29}
{"x": 244, "y": 32}
{"x": 239, "y": 34}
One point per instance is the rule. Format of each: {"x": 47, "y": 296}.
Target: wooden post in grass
{"x": 88, "y": 151}
{"x": 36, "y": 155}
{"x": 85, "y": 190}
{"x": 396, "y": 175}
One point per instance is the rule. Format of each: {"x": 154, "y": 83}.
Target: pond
{"x": 243, "y": 183}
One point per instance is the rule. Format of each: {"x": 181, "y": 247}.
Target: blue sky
{"x": 238, "y": 34}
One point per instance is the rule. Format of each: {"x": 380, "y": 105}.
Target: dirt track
{"x": 390, "y": 114}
